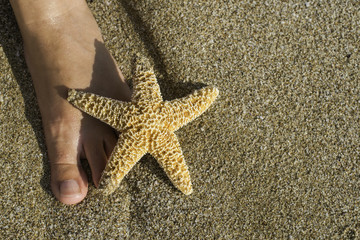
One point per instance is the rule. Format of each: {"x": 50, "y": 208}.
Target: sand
{"x": 276, "y": 156}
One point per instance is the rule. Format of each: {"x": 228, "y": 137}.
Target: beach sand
{"x": 276, "y": 156}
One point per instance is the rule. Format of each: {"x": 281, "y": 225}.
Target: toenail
{"x": 69, "y": 188}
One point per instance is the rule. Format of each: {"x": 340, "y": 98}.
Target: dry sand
{"x": 276, "y": 156}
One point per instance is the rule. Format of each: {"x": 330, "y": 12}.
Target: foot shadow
{"x": 11, "y": 42}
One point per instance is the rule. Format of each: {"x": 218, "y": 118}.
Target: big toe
{"x": 69, "y": 183}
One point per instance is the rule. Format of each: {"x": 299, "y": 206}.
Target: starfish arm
{"x": 145, "y": 86}
{"x": 127, "y": 152}
{"x": 113, "y": 112}
{"x": 166, "y": 149}
{"x": 181, "y": 111}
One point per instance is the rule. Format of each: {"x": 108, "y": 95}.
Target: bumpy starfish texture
{"x": 146, "y": 125}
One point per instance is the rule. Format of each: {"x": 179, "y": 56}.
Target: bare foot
{"x": 64, "y": 49}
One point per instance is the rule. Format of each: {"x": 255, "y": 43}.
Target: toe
{"x": 68, "y": 179}
{"x": 97, "y": 158}
{"x": 110, "y": 142}
{"x": 68, "y": 182}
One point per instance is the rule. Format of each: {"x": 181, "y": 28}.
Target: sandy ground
{"x": 276, "y": 156}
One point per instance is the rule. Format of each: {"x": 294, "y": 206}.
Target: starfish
{"x": 146, "y": 125}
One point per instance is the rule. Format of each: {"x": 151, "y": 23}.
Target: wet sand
{"x": 276, "y": 156}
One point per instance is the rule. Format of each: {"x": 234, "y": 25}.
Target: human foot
{"x": 64, "y": 49}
